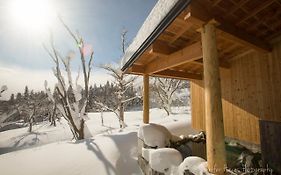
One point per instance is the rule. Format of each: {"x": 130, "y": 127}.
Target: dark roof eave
{"x": 169, "y": 18}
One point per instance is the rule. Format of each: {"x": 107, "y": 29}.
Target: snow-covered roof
{"x": 152, "y": 22}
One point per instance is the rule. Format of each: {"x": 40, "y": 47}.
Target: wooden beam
{"x": 216, "y": 2}
{"x": 228, "y": 49}
{"x": 261, "y": 20}
{"x": 187, "y": 25}
{"x": 188, "y": 54}
{"x": 178, "y": 75}
{"x": 160, "y": 48}
{"x": 275, "y": 39}
{"x": 139, "y": 70}
{"x": 240, "y": 55}
{"x": 228, "y": 30}
{"x": 136, "y": 69}
{"x": 274, "y": 36}
{"x": 145, "y": 98}
{"x": 256, "y": 10}
{"x": 222, "y": 64}
{"x": 239, "y": 5}
{"x": 213, "y": 105}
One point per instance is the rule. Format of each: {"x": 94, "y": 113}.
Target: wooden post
{"x": 145, "y": 98}
{"x": 213, "y": 105}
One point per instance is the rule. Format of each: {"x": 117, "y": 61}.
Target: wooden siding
{"x": 270, "y": 144}
{"x": 250, "y": 91}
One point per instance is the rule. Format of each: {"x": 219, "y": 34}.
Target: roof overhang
{"x": 158, "y": 20}
{"x": 169, "y": 44}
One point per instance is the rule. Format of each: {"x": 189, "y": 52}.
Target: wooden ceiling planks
{"x": 251, "y": 15}
{"x": 238, "y": 33}
{"x": 188, "y": 54}
{"x": 201, "y": 12}
{"x": 255, "y": 11}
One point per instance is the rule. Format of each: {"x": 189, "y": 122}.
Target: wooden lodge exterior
{"x": 230, "y": 50}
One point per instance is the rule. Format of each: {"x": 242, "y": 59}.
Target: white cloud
{"x": 16, "y": 78}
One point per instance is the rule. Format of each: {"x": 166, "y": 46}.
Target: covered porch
{"x": 230, "y": 51}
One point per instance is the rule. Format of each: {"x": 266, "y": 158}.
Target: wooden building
{"x": 230, "y": 50}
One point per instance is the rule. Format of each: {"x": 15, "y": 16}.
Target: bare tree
{"x": 32, "y": 113}
{"x": 165, "y": 89}
{"x": 72, "y": 102}
{"x": 32, "y": 107}
{"x": 53, "y": 114}
{"x": 123, "y": 82}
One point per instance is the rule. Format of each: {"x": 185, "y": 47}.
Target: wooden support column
{"x": 213, "y": 104}
{"x": 145, "y": 98}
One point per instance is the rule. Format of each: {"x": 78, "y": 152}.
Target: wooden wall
{"x": 251, "y": 90}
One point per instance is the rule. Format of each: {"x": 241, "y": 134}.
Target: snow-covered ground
{"x": 49, "y": 150}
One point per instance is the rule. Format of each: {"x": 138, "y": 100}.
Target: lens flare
{"x": 32, "y": 15}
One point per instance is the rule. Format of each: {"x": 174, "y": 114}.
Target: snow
{"x": 17, "y": 139}
{"x": 3, "y": 88}
{"x": 112, "y": 154}
{"x": 169, "y": 161}
{"x": 195, "y": 165}
{"x": 158, "y": 13}
{"x": 111, "y": 150}
{"x": 155, "y": 135}
{"x": 163, "y": 159}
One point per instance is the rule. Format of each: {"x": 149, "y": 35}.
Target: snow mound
{"x": 105, "y": 154}
{"x": 155, "y": 135}
{"x": 195, "y": 165}
{"x": 163, "y": 159}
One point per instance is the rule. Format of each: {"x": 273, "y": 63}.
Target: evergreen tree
{"x": 12, "y": 99}
{"x": 18, "y": 97}
{"x": 26, "y": 93}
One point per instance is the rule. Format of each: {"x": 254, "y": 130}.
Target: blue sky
{"x": 100, "y": 22}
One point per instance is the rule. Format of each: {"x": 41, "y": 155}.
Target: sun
{"x": 32, "y": 15}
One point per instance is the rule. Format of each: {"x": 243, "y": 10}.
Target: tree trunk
{"x": 30, "y": 127}
{"x": 53, "y": 115}
{"x": 166, "y": 110}
{"x": 169, "y": 106}
{"x": 121, "y": 115}
{"x": 30, "y": 124}
{"x": 54, "y": 121}
{"x": 167, "y": 103}
{"x": 101, "y": 115}
{"x": 81, "y": 130}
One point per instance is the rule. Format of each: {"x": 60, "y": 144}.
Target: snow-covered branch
{"x": 72, "y": 102}
{"x": 130, "y": 99}
{"x": 3, "y": 89}
{"x": 165, "y": 89}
